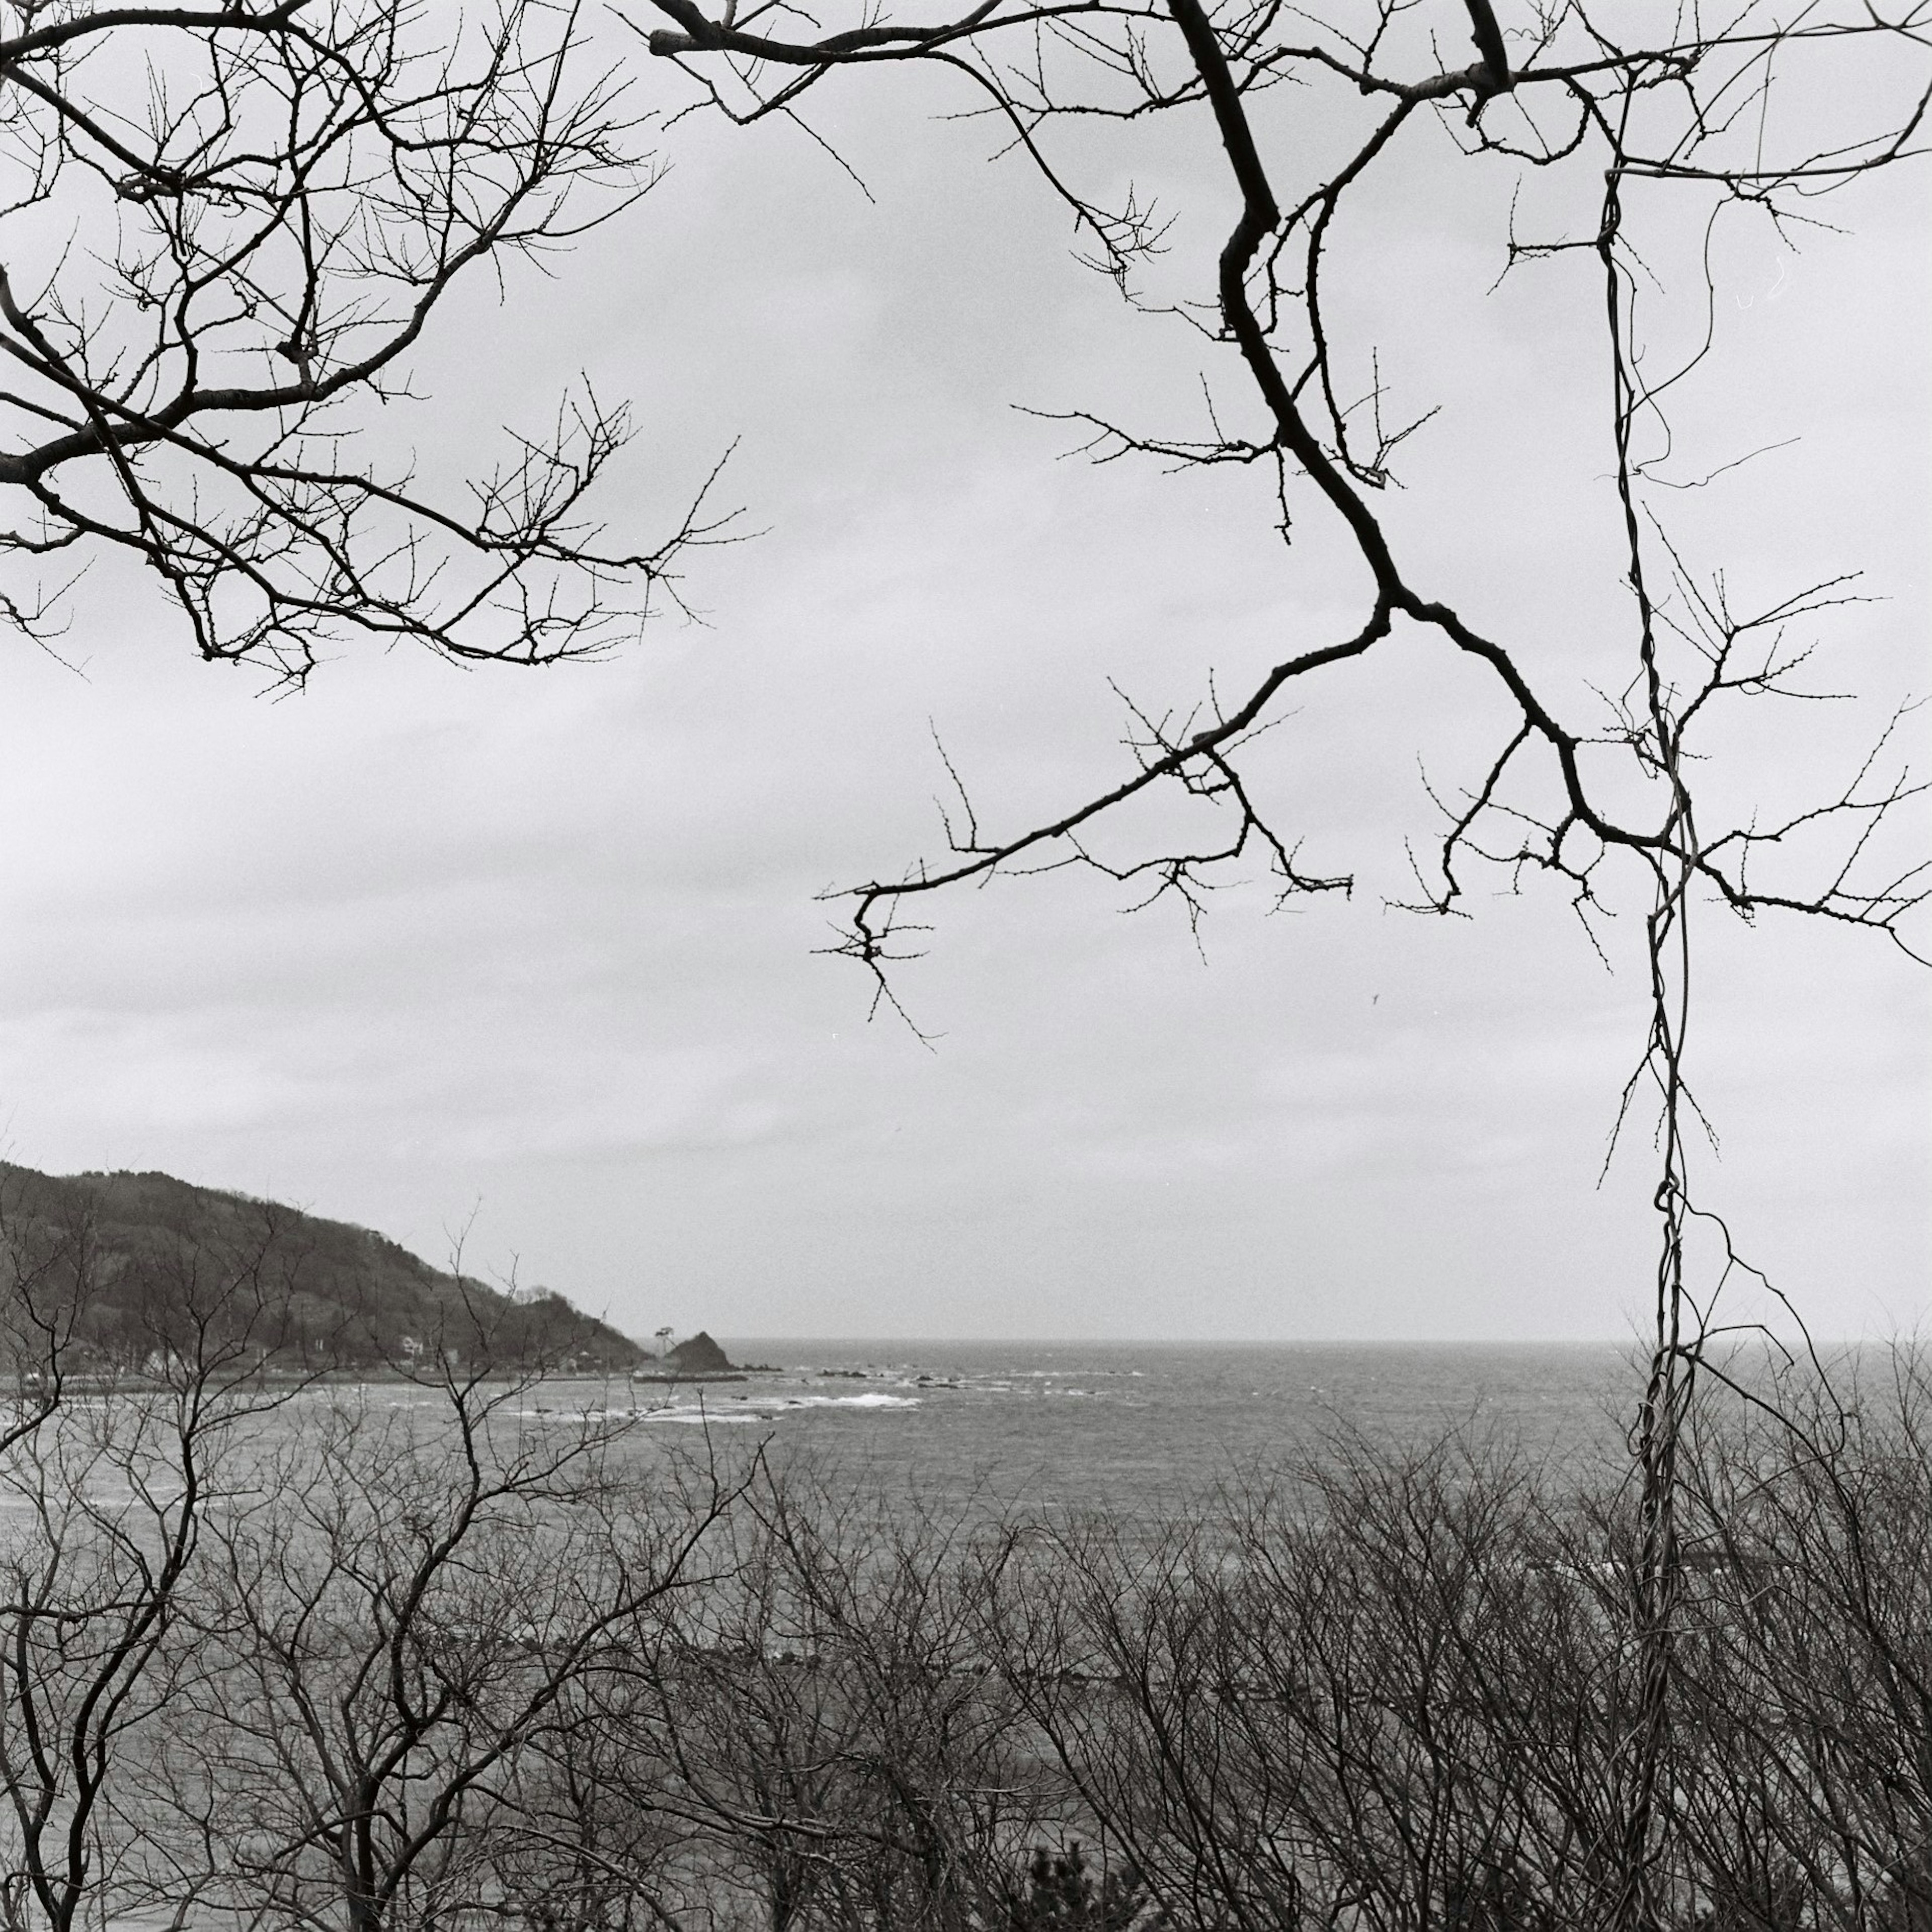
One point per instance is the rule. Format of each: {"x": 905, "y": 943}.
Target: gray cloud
{"x": 420, "y": 937}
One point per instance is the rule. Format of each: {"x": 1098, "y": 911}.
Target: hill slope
{"x": 135, "y": 1259}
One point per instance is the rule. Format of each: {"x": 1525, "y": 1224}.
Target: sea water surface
{"x": 1141, "y": 1427}
{"x": 1139, "y": 1430}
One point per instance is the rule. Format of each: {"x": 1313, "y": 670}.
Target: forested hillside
{"x": 127, "y": 1263}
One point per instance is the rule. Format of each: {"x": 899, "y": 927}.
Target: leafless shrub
{"x": 129, "y": 1391}
{"x": 837, "y": 1733}
{"x": 405, "y": 1610}
{"x": 1805, "y": 1781}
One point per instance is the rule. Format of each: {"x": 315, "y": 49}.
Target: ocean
{"x": 1141, "y": 1427}
{"x": 1139, "y": 1430}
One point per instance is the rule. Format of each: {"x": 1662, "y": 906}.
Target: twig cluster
{"x": 226, "y": 231}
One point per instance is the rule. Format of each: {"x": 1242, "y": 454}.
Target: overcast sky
{"x": 430, "y": 949}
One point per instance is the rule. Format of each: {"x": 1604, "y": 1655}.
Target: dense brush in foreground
{"x": 436, "y": 1656}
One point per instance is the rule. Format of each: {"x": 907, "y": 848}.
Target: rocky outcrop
{"x": 699, "y": 1356}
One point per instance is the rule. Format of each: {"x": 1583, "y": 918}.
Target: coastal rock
{"x": 699, "y": 1356}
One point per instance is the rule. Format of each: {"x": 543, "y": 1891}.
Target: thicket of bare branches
{"x": 442, "y": 1652}
{"x": 1396, "y": 1692}
{"x": 280, "y": 1646}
